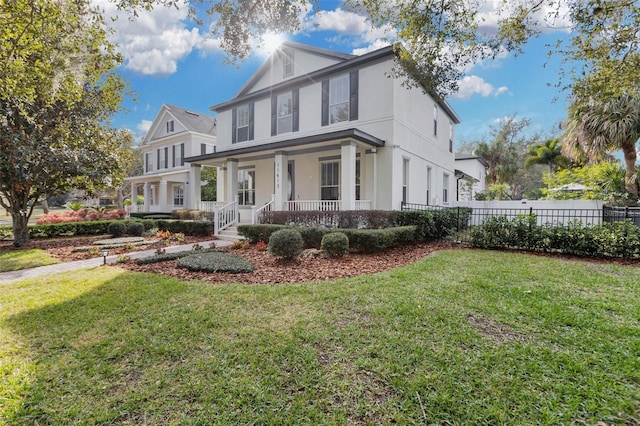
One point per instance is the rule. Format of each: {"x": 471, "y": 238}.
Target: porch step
{"x": 230, "y": 234}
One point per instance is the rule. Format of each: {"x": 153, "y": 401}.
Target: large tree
{"x": 58, "y": 89}
{"x": 596, "y": 127}
{"x": 548, "y": 153}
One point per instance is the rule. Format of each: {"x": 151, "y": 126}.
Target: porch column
{"x": 372, "y": 179}
{"x": 134, "y": 198}
{"x": 147, "y": 196}
{"x": 192, "y": 188}
{"x": 281, "y": 189}
{"x": 220, "y": 183}
{"x": 348, "y": 175}
{"x": 162, "y": 196}
{"x": 231, "y": 180}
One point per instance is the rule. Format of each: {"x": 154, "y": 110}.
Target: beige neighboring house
{"x": 169, "y": 182}
{"x": 316, "y": 129}
{"x": 471, "y": 176}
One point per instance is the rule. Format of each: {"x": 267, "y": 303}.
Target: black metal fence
{"x": 544, "y": 217}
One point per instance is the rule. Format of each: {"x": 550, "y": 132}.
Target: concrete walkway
{"x": 7, "y": 277}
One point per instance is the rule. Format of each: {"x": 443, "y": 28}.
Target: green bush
{"x": 435, "y": 224}
{"x": 187, "y": 227}
{"x": 335, "y": 244}
{"x": 117, "y": 229}
{"x": 370, "y": 219}
{"x": 163, "y": 257}
{"x": 93, "y": 227}
{"x": 618, "y": 239}
{"x": 135, "y": 228}
{"x": 286, "y": 243}
{"x": 260, "y": 232}
{"x": 215, "y": 261}
{"x": 313, "y": 235}
{"x": 6, "y": 232}
{"x": 376, "y": 240}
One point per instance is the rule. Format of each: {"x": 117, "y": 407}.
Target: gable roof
{"x": 326, "y": 53}
{"x": 192, "y": 121}
{"x": 346, "y": 62}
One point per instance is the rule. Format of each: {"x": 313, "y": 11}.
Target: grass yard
{"x": 462, "y": 337}
{"x": 14, "y": 260}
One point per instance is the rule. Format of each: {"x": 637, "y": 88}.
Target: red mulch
{"x": 268, "y": 269}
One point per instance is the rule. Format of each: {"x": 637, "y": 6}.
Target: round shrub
{"x": 215, "y": 261}
{"x": 135, "y": 228}
{"x": 116, "y": 229}
{"x": 335, "y": 244}
{"x": 286, "y": 243}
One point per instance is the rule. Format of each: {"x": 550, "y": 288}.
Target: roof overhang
{"x": 298, "y": 143}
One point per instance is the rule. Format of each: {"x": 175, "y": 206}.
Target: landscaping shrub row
{"x": 430, "y": 225}
{"x": 362, "y": 240}
{"x": 617, "y": 239}
{"x": 196, "y": 228}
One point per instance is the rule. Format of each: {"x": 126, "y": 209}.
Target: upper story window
{"x": 340, "y": 98}
{"x": 450, "y": 137}
{"x": 162, "y": 158}
{"x": 287, "y": 63}
{"x": 148, "y": 162}
{"x": 285, "y": 112}
{"x": 242, "y": 123}
{"x": 169, "y": 126}
{"x": 445, "y": 188}
{"x": 206, "y": 148}
{"x": 178, "y": 155}
{"x": 435, "y": 120}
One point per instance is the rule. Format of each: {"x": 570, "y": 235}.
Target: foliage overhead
{"x": 58, "y": 89}
{"x": 548, "y": 153}
{"x": 597, "y": 127}
{"x": 442, "y": 39}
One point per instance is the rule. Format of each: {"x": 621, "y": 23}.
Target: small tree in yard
{"x": 58, "y": 88}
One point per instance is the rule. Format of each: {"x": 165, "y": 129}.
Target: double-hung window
{"x": 435, "y": 120}
{"x": 285, "y": 112}
{"x": 339, "y": 99}
{"x": 242, "y": 123}
{"x": 178, "y": 155}
{"x": 445, "y": 188}
{"x": 170, "y": 126}
{"x": 246, "y": 187}
{"x": 163, "y": 153}
{"x": 405, "y": 180}
{"x": 329, "y": 180}
{"x": 178, "y": 195}
{"x": 148, "y": 162}
{"x": 287, "y": 63}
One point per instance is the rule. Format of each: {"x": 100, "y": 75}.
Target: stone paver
{"x": 7, "y": 277}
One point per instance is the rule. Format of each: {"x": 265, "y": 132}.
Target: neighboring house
{"x": 317, "y": 129}
{"x": 169, "y": 181}
{"x": 471, "y": 176}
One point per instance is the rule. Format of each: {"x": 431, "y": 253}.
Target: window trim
{"x": 249, "y": 190}
{"x": 288, "y": 61}
{"x": 178, "y": 196}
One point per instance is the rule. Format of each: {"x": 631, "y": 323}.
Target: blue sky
{"x": 168, "y": 60}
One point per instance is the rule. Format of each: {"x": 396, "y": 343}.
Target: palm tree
{"x": 549, "y": 152}
{"x": 595, "y": 128}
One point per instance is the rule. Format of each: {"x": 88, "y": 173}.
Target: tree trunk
{"x": 20, "y": 229}
{"x": 630, "y": 179}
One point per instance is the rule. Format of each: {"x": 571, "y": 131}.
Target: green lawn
{"x": 462, "y": 337}
{"x": 14, "y": 260}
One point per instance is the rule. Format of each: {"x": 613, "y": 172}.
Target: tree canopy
{"x": 58, "y": 89}
{"x": 442, "y": 39}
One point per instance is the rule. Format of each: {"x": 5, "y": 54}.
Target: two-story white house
{"x": 471, "y": 175}
{"x": 319, "y": 129}
{"x": 169, "y": 181}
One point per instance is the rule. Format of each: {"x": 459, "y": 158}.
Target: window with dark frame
{"x": 169, "y": 126}
{"x": 246, "y": 187}
{"x": 329, "y": 180}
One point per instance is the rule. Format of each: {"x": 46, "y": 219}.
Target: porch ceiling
{"x": 315, "y": 143}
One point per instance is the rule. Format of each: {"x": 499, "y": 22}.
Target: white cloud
{"x": 378, "y": 44}
{"x": 472, "y": 84}
{"x": 144, "y": 126}
{"x": 549, "y": 17}
{"x": 155, "y": 41}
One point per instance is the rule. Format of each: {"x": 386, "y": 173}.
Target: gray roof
{"x": 463, "y": 156}
{"x": 194, "y": 121}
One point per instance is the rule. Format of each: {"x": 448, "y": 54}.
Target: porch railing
{"x": 257, "y": 211}
{"x": 225, "y": 216}
{"x": 323, "y": 205}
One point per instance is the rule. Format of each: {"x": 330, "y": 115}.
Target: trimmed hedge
{"x": 67, "y": 229}
{"x": 135, "y": 229}
{"x": 286, "y": 243}
{"x": 117, "y": 229}
{"x": 335, "y": 244}
{"x": 215, "y": 261}
{"x": 362, "y": 240}
{"x": 373, "y": 219}
{"x": 617, "y": 239}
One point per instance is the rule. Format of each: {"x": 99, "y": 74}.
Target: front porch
{"x": 338, "y": 171}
